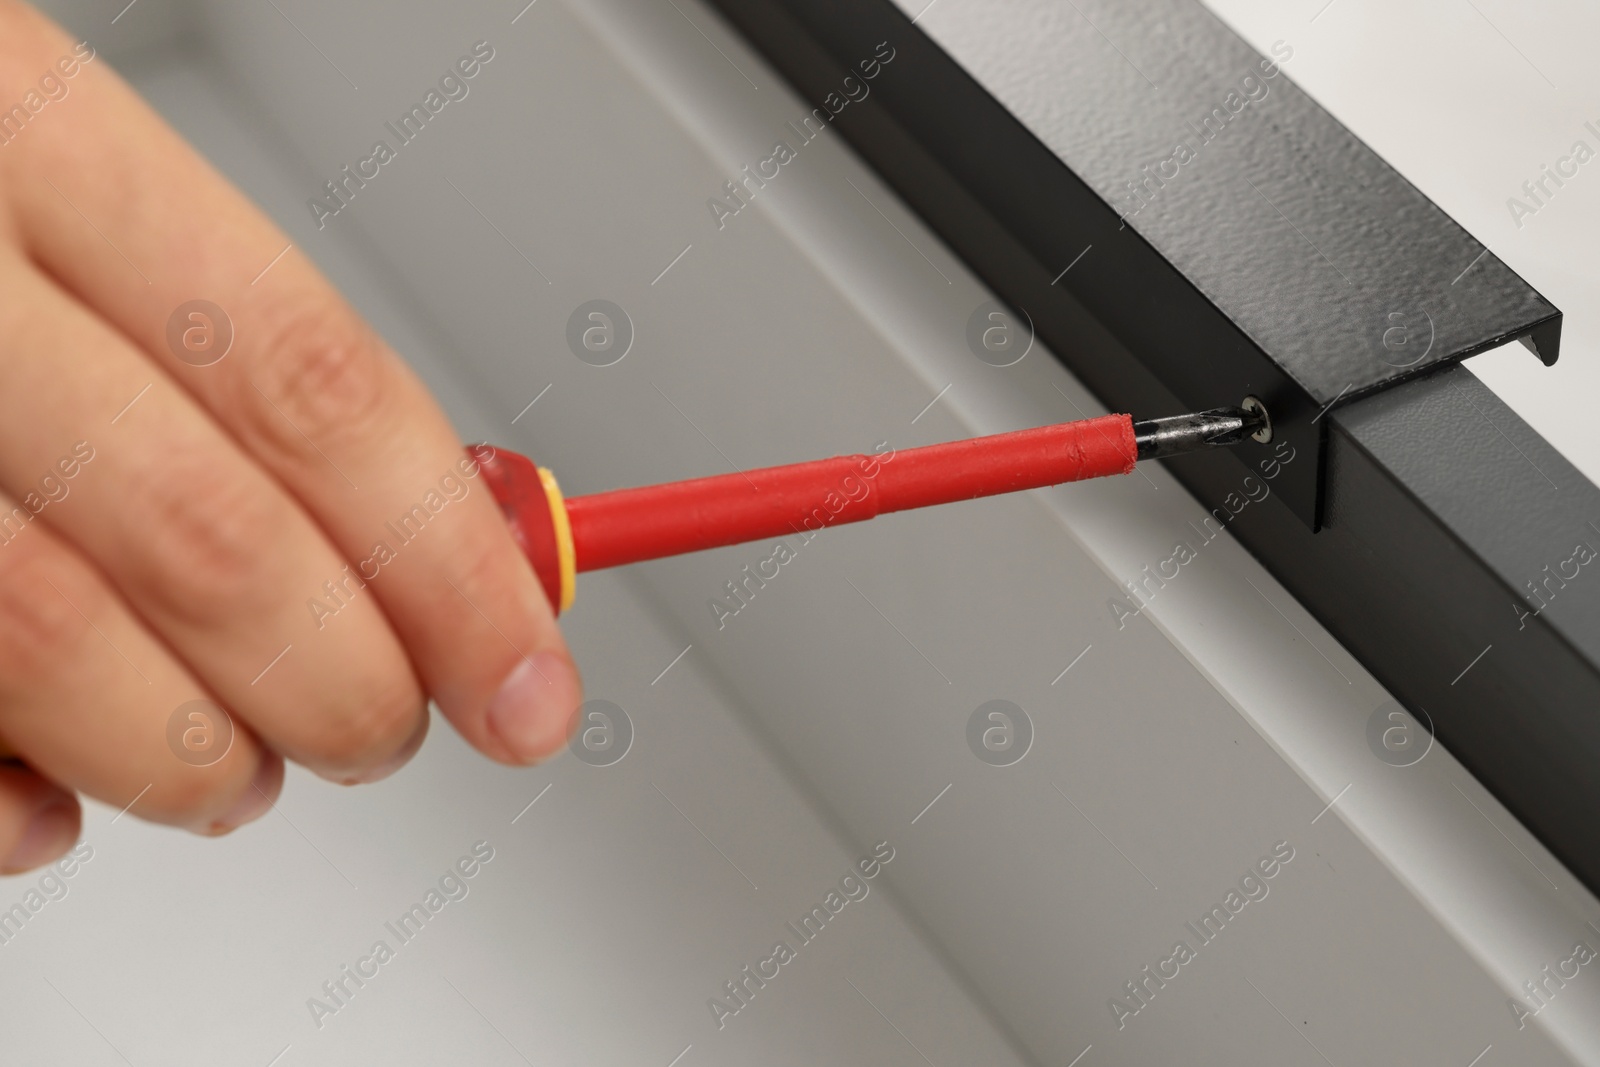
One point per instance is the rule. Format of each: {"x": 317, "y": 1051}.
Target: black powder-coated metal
{"x": 1284, "y": 260}
{"x": 1287, "y": 261}
{"x": 1453, "y": 566}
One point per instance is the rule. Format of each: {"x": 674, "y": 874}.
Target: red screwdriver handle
{"x": 562, "y": 537}
{"x": 532, "y": 504}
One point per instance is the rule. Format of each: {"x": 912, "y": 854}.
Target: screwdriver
{"x": 563, "y": 537}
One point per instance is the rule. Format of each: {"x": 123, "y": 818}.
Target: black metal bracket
{"x": 1239, "y": 239}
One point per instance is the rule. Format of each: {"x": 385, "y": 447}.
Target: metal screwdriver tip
{"x": 1179, "y": 434}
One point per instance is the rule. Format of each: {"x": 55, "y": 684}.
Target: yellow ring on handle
{"x": 566, "y": 555}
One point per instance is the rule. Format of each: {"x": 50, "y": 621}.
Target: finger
{"x": 88, "y": 696}
{"x": 311, "y": 392}
{"x": 38, "y": 820}
{"x": 206, "y": 547}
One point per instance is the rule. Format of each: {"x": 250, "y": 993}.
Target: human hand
{"x": 174, "y": 508}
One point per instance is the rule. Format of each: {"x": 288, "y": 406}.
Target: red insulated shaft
{"x": 630, "y": 525}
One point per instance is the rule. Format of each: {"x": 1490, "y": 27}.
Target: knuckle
{"x": 482, "y": 566}
{"x": 42, "y": 633}
{"x": 496, "y": 580}
{"x": 382, "y": 718}
{"x": 214, "y": 558}
{"x": 321, "y": 373}
{"x": 497, "y": 607}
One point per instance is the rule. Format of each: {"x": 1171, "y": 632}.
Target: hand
{"x": 283, "y": 526}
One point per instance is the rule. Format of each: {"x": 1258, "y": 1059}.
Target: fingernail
{"x": 532, "y": 713}
{"x": 51, "y": 833}
{"x": 254, "y": 801}
{"x": 398, "y": 760}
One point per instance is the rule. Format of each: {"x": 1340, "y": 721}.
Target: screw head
{"x": 1254, "y": 406}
